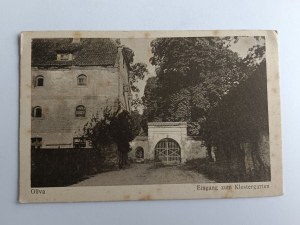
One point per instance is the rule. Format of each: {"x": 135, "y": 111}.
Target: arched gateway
{"x": 168, "y": 151}
{"x": 167, "y": 142}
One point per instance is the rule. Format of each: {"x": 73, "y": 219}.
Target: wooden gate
{"x": 168, "y": 151}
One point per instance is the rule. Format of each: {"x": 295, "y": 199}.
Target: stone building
{"x": 72, "y": 80}
{"x": 167, "y": 142}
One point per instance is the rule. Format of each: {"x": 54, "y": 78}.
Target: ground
{"x": 147, "y": 173}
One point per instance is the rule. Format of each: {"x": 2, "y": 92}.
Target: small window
{"x": 36, "y": 142}
{"x": 37, "y": 112}
{"x": 64, "y": 57}
{"x": 126, "y": 87}
{"x": 39, "y": 81}
{"x": 81, "y": 80}
{"x": 80, "y": 111}
{"x": 79, "y": 142}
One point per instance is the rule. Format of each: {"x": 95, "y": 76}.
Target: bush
{"x": 63, "y": 167}
{"x": 221, "y": 172}
{"x": 114, "y": 128}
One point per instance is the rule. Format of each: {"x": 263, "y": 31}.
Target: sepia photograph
{"x": 149, "y": 115}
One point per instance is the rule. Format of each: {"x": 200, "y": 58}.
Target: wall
{"x": 191, "y": 147}
{"x": 124, "y": 95}
{"x": 60, "y": 95}
{"x": 195, "y": 148}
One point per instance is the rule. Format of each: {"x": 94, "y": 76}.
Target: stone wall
{"x": 60, "y": 95}
{"x": 195, "y": 148}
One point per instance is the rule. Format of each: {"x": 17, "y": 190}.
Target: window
{"x": 126, "y": 87}
{"x": 80, "y": 111}
{"x": 37, "y": 112}
{"x": 81, "y": 80}
{"x": 64, "y": 57}
{"x": 39, "y": 81}
{"x": 79, "y": 142}
{"x": 36, "y": 142}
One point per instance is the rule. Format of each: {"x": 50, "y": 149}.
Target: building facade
{"x": 167, "y": 142}
{"x": 72, "y": 81}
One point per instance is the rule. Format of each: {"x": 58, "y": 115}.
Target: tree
{"x": 123, "y": 130}
{"x": 221, "y": 95}
{"x": 136, "y": 103}
{"x": 241, "y": 117}
{"x": 128, "y": 54}
{"x": 137, "y": 71}
{"x": 117, "y": 127}
{"x": 192, "y": 76}
{"x": 151, "y": 99}
{"x": 256, "y": 54}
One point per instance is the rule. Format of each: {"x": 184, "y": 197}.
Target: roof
{"x": 86, "y": 52}
{"x": 167, "y": 124}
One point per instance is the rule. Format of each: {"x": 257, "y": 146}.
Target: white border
{"x": 146, "y": 192}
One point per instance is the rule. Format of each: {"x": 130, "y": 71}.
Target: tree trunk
{"x": 209, "y": 154}
{"x": 123, "y": 156}
{"x": 261, "y": 172}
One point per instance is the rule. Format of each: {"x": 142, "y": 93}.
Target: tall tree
{"x": 241, "y": 117}
{"x": 192, "y": 76}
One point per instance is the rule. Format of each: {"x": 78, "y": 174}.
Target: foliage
{"x": 256, "y": 54}
{"x": 136, "y": 103}
{"x": 63, "y": 167}
{"x": 117, "y": 127}
{"x": 222, "y": 96}
{"x": 137, "y": 71}
{"x": 220, "y": 173}
{"x": 128, "y": 54}
{"x": 141, "y": 123}
{"x": 192, "y": 76}
{"x": 241, "y": 118}
{"x": 243, "y": 113}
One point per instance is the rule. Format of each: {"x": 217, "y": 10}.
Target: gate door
{"x": 168, "y": 151}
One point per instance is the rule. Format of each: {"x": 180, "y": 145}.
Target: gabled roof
{"x": 86, "y": 52}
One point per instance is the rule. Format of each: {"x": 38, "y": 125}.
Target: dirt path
{"x": 139, "y": 174}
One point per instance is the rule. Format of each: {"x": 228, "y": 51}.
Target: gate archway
{"x": 168, "y": 151}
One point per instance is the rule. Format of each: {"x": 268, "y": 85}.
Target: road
{"x": 139, "y": 174}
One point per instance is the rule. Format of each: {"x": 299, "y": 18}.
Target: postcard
{"x": 146, "y": 115}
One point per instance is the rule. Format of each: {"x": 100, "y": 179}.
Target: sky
{"x": 142, "y": 53}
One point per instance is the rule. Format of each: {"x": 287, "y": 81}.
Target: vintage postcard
{"x": 145, "y": 115}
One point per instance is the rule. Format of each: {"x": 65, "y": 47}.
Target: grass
{"x": 221, "y": 173}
